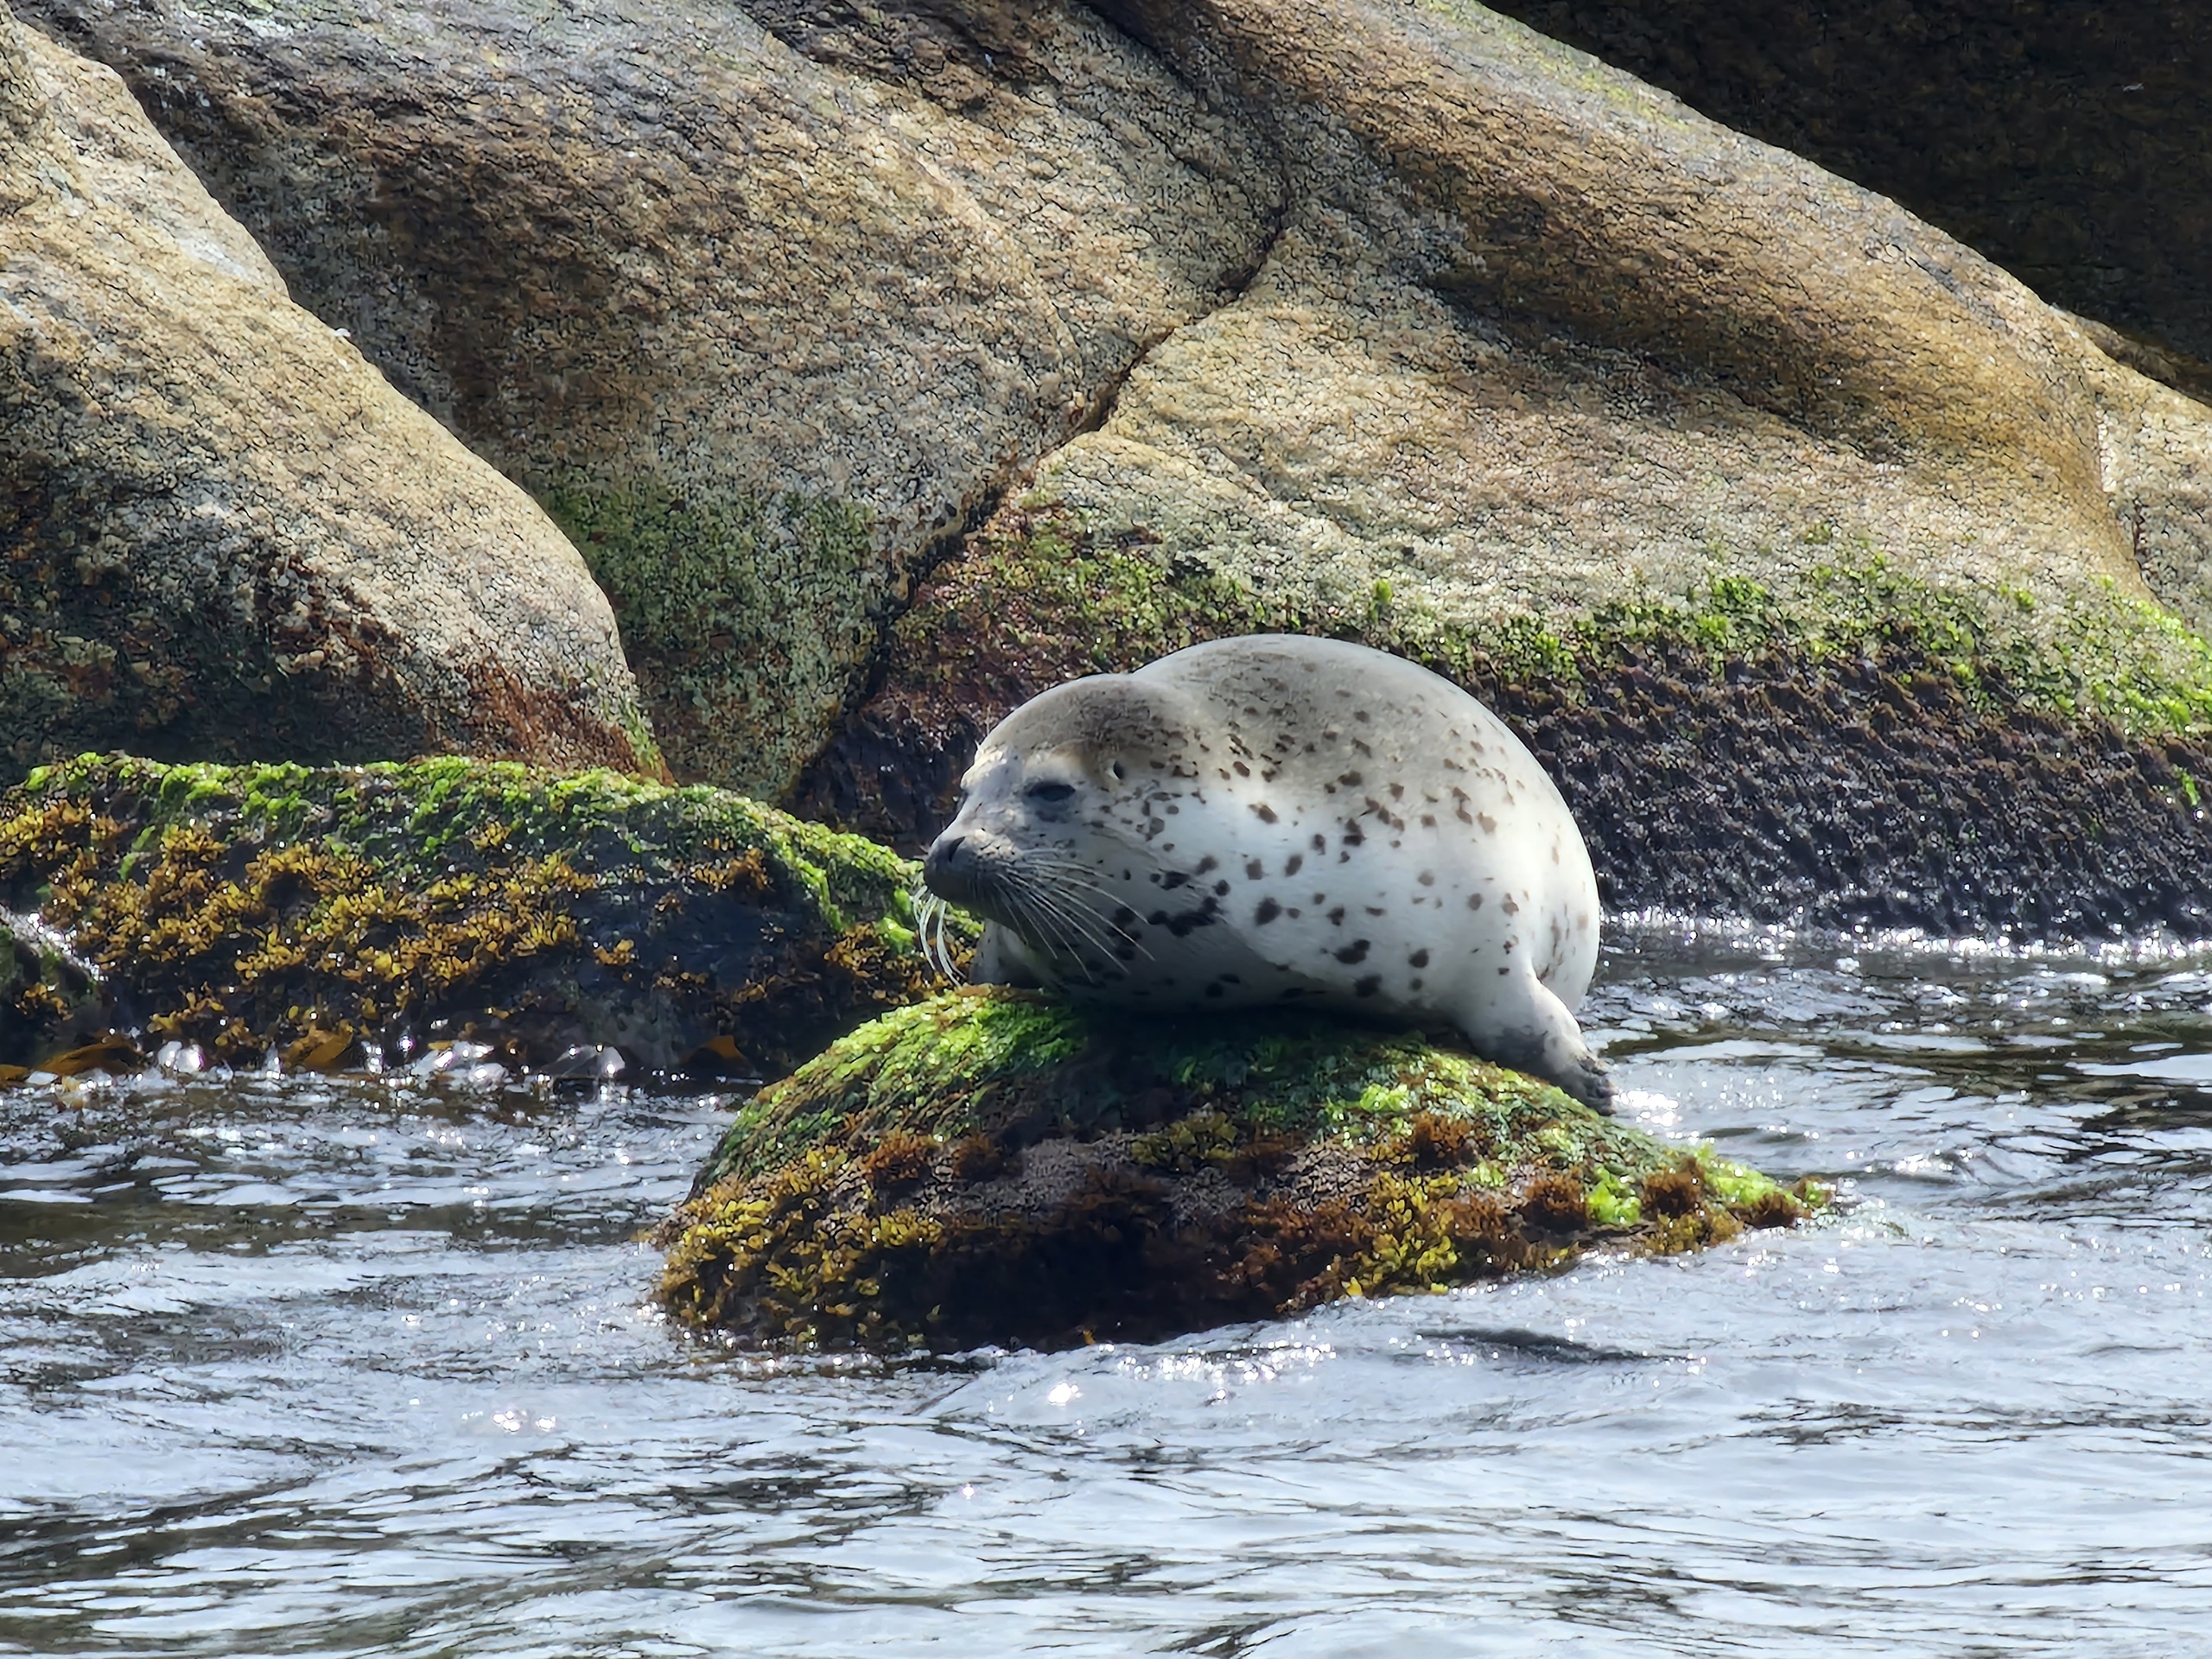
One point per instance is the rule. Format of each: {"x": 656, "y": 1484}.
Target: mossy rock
{"x": 247, "y": 907}
{"x": 995, "y": 1167}
{"x": 47, "y": 998}
{"x": 1862, "y": 748}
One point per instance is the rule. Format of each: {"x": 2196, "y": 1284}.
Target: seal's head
{"x": 1062, "y": 772}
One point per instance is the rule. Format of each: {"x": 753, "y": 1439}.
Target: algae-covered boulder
{"x": 763, "y": 301}
{"x": 222, "y": 533}
{"x": 250, "y": 907}
{"x": 48, "y": 1000}
{"x": 992, "y": 1167}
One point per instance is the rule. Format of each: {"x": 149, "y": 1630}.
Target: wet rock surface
{"x": 314, "y": 913}
{"x": 222, "y": 533}
{"x": 993, "y": 1168}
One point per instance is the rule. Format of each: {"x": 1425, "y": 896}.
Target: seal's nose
{"x": 938, "y": 868}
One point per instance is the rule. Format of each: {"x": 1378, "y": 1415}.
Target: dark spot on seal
{"x": 1221, "y": 888}
{"x": 1376, "y": 910}
{"x": 1511, "y": 908}
{"x": 1240, "y": 769}
{"x": 1368, "y": 986}
{"x": 1354, "y": 836}
{"x": 1474, "y": 901}
{"x": 1419, "y": 959}
{"x": 1292, "y": 864}
{"x": 1489, "y": 823}
{"x": 1209, "y": 862}
{"x": 1267, "y": 911}
{"x": 1427, "y": 878}
{"x": 1175, "y": 879}
{"x": 1184, "y": 922}
{"x": 1292, "y": 912}
{"x": 1337, "y": 916}
{"x": 1266, "y": 814}
{"x": 1350, "y": 779}
{"x": 1355, "y": 952}
{"x": 1397, "y": 792}
{"x": 1428, "y": 820}
{"x": 1123, "y": 916}
{"x": 1360, "y": 715}
{"x": 1413, "y": 983}
{"x": 1253, "y": 869}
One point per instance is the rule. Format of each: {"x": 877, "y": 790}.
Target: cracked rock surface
{"x": 762, "y": 303}
{"x": 222, "y": 532}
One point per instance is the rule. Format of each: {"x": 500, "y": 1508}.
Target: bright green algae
{"x": 247, "y": 907}
{"x": 996, "y": 1166}
{"x": 2095, "y": 652}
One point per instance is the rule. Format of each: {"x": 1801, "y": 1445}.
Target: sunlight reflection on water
{"x": 302, "y": 1366}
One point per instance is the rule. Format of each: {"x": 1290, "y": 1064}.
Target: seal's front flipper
{"x": 1522, "y": 1024}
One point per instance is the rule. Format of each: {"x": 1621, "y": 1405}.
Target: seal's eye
{"x": 1049, "y": 791}
{"x": 1118, "y": 773}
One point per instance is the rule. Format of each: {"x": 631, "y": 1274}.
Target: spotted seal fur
{"x": 1276, "y": 819}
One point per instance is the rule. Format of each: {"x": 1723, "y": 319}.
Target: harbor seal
{"x": 1277, "y": 819}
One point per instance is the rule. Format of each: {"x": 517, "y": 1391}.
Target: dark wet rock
{"x": 246, "y": 909}
{"x": 49, "y": 1000}
{"x": 762, "y": 302}
{"x": 222, "y": 533}
{"x": 993, "y": 1167}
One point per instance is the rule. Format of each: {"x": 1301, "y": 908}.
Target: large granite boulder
{"x": 993, "y": 1166}
{"x": 313, "y": 910}
{"x": 221, "y": 531}
{"x": 1833, "y": 573}
{"x": 765, "y": 325}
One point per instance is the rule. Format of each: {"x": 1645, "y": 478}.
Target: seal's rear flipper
{"x": 1521, "y": 1024}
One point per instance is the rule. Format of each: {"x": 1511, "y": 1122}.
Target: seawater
{"x": 294, "y": 1366}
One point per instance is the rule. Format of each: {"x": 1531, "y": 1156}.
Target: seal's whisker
{"x": 1077, "y": 921}
{"x": 1069, "y": 928}
{"x": 930, "y": 917}
{"x": 1046, "y": 931}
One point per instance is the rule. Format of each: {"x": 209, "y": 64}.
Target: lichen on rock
{"x": 251, "y": 907}
{"x": 995, "y": 1167}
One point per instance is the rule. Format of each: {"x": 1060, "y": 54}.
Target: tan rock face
{"x": 762, "y": 328}
{"x": 2066, "y": 141}
{"x": 1536, "y": 336}
{"x": 222, "y": 533}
